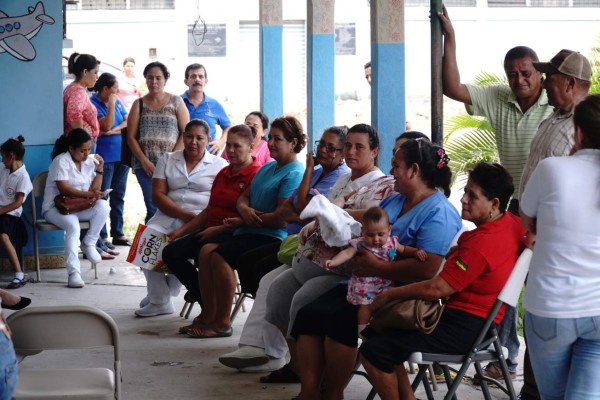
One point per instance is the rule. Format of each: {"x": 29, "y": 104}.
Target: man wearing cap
{"x": 568, "y": 80}
{"x": 515, "y": 112}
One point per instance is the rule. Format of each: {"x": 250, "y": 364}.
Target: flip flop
{"x": 196, "y": 332}
{"x": 281, "y": 375}
{"x": 105, "y": 256}
{"x": 121, "y": 241}
{"x": 112, "y": 252}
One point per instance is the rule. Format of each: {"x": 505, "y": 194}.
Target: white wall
{"x": 483, "y": 35}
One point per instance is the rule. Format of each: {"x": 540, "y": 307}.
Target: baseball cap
{"x": 568, "y": 62}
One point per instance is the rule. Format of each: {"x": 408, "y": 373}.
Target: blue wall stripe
{"x": 321, "y": 84}
{"x": 388, "y": 101}
{"x": 271, "y": 71}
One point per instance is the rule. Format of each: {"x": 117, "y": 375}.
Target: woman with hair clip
{"x": 79, "y": 112}
{"x": 76, "y": 172}
{"x": 112, "y": 116}
{"x": 421, "y": 217}
{"x": 15, "y": 185}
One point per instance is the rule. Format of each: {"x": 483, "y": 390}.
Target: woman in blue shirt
{"x": 112, "y": 116}
{"x": 259, "y": 225}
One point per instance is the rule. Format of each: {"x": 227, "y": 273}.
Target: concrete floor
{"x": 157, "y": 362}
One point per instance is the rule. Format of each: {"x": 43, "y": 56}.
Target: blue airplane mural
{"x": 15, "y": 32}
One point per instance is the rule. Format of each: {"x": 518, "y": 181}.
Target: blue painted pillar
{"x": 388, "y": 95}
{"x": 320, "y": 71}
{"x": 271, "y": 57}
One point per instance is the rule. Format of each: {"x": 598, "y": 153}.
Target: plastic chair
{"x": 60, "y": 328}
{"x": 487, "y": 347}
{"x": 39, "y": 184}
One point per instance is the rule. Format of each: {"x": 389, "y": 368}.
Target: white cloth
{"x": 345, "y": 185}
{"x": 64, "y": 169}
{"x": 11, "y": 184}
{"x": 337, "y": 226}
{"x": 70, "y": 224}
{"x": 189, "y": 191}
{"x": 257, "y": 331}
{"x": 563, "y": 193}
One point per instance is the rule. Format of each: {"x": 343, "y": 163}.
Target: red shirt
{"x": 225, "y": 191}
{"x": 481, "y": 265}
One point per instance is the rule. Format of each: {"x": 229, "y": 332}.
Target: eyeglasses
{"x": 328, "y": 146}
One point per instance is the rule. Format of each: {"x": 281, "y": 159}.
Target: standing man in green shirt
{"x": 515, "y": 111}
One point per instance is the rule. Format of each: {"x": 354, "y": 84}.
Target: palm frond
{"x": 465, "y": 122}
{"x": 489, "y": 78}
{"x": 468, "y": 148}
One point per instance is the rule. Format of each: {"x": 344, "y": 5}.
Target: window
{"x": 127, "y": 5}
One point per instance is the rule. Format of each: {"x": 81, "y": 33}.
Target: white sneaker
{"x": 91, "y": 253}
{"x": 272, "y": 365}
{"x": 75, "y": 280}
{"x": 152, "y": 310}
{"x": 245, "y": 356}
{"x": 144, "y": 302}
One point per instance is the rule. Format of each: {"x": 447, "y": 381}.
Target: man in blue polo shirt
{"x": 203, "y": 107}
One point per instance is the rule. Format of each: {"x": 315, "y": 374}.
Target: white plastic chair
{"x": 39, "y": 184}
{"x": 487, "y": 347}
{"x": 59, "y": 328}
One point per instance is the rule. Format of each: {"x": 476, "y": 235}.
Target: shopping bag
{"x": 146, "y": 249}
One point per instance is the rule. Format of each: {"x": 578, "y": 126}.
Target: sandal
{"x": 108, "y": 244}
{"x": 184, "y": 329}
{"x": 16, "y": 283}
{"x": 105, "y": 256}
{"x": 112, "y": 252}
{"x": 204, "y": 332}
{"x": 121, "y": 241}
{"x": 281, "y": 375}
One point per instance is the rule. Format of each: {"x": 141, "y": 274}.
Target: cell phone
{"x": 107, "y": 191}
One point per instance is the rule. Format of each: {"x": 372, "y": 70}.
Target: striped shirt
{"x": 514, "y": 130}
{"x": 555, "y": 138}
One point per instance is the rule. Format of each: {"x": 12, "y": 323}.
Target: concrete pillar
{"x": 320, "y": 71}
{"x": 388, "y": 96}
{"x": 271, "y": 59}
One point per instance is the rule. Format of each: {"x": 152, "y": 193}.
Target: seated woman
{"x": 562, "y": 318}
{"x": 207, "y": 227}
{"x": 181, "y": 187}
{"x": 421, "y": 217}
{"x": 472, "y": 277}
{"x": 74, "y": 173}
{"x": 259, "y": 225}
{"x": 260, "y": 150}
{"x": 322, "y": 172}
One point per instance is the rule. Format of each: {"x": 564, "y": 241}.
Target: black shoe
{"x": 24, "y": 302}
{"x": 16, "y": 283}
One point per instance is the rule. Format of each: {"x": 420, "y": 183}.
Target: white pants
{"x": 96, "y": 216}
{"x": 257, "y": 331}
{"x": 161, "y": 286}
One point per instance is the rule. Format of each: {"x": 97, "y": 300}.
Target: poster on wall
{"x": 209, "y": 40}
{"x": 345, "y": 39}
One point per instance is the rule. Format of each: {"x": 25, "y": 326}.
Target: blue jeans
{"x": 565, "y": 355}
{"x": 509, "y": 338}
{"x": 8, "y": 368}
{"x": 115, "y": 177}
{"x": 145, "y": 182}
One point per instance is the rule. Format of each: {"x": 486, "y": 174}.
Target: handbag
{"x": 70, "y": 205}
{"x": 126, "y": 153}
{"x": 411, "y": 314}
{"x": 288, "y": 249}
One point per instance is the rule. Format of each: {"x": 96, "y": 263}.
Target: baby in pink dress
{"x": 375, "y": 238}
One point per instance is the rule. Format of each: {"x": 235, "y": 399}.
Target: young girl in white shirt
{"x": 15, "y": 185}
